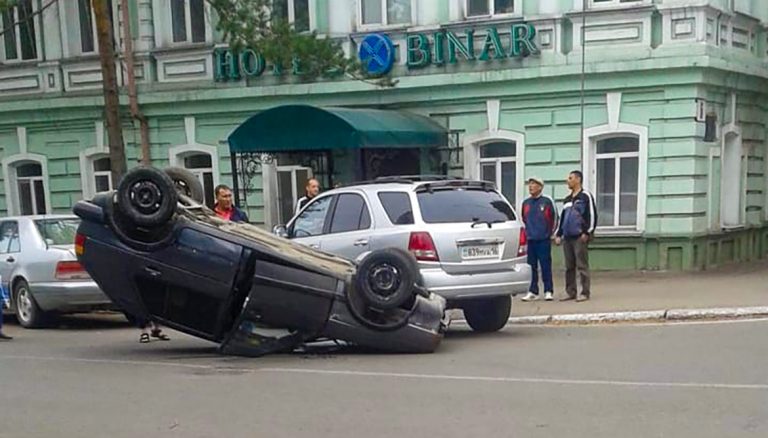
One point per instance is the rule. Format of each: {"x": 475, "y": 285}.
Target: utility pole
{"x": 111, "y": 97}
{"x": 133, "y": 99}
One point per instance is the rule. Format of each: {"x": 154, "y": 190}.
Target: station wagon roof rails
{"x": 482, "y": 185}
{"x": 405, "y": 179}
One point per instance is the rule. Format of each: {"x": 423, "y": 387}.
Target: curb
{"x": 671, "y": 315}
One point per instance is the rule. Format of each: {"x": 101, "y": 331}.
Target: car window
{"x": 311, "y": 221}
{"x": 398, "y": 207}
{"x": 58, "y": 231}
{"x": 464, "y": 205}
{"x": 9, "y": 237}
{"x": 350, "y": 214}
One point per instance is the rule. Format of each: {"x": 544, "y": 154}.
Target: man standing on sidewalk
{"x": 539, "y": 216}
{"x": 577, "y": 224}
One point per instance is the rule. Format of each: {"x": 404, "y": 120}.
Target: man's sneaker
{"x": 4, "y": 337}
{"x": 530, "y": 296}
{"x": 549, "y": 296}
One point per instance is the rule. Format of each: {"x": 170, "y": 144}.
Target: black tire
{"x": 28, "y": 313}
{"x": 385, "y": 278}
{"x": 488, "y": 315}
{"x": 147, "y": 196}
{"x": 186, "y": 183}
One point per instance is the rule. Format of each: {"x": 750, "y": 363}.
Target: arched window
{"x": 498, "y": 164}
{"x": 201, "y": 164}
{"x": 616, "y": 181}
{"x": 30, "y": 189}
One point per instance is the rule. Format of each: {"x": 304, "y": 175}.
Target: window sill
{"x": 367, "y": 28}
{"x": 618, "y": 232}
{"x": 732, "y": 228}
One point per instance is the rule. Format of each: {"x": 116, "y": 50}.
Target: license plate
{"x": 480, "y": 252}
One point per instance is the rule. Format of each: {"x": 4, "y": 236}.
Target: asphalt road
{"x": 93, "y": 379}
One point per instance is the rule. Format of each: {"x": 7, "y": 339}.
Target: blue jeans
{"x": 540, "y": 253}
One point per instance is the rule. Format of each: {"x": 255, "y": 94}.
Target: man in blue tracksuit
{"x": 577, "y": 225}
{"x": 540, "y": 217}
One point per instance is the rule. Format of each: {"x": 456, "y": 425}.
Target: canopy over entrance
{"x": 297, "y": 128}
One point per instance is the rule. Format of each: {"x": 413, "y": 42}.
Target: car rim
{"x": 384, "y": 279}
{"x": 24, "y": 305}
{"x": 146, "y": 197}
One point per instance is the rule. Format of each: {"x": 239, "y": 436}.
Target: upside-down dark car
{"x": 160, "y": 255}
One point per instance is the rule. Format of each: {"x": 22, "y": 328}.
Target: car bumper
{"x": 69, "y": 296}
{"x": 489, "y": 284}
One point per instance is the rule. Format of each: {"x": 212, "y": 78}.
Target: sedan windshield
{"x": 58, "y": 231}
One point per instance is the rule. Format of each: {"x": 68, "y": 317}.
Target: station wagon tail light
{"x": 523, "y": 248}
{"x": 79, "y": 244}
{"x": 70, "y": 270}
{"x": 422, "y": 247}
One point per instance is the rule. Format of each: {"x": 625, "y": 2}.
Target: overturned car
{"x": 159, "y": 254}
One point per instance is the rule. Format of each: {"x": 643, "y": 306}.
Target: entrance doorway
{"x": 291, "y": 181}
{"x": 391, "y": 162}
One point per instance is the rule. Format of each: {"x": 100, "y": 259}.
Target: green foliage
{"x": 251, "y": 24}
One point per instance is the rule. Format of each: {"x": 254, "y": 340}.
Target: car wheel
{"x": 488, "y": 315}
{"x": 147, "y": 196}
{"x": 386, "y": 278}
{"x": 186, "y": 183}
{"x": 28, "y": 313}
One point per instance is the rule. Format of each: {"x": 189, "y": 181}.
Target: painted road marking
{"x": 408, "y": 376}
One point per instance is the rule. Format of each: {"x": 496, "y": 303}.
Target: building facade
{"x": 662, "y": 103}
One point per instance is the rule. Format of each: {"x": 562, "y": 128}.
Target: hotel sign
{"x": 377, "y": 52}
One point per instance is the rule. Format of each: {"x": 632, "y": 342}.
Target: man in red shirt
{"x": 224, "y": 207}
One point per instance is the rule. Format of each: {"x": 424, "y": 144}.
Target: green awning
{"x": 295, "y": 128}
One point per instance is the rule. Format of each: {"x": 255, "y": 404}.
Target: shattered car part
{"x": 232, "y": 283}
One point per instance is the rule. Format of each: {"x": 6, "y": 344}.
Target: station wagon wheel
{"x": 147, "y": 196}
{"x": 28, "y": 313}
{"x": 386, "y": 278}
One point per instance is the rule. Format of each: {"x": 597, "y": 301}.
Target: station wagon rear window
{"x": 463, "y": 205}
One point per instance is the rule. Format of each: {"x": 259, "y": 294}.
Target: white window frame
{"x": 384, "y": 24}
{"x": 498, "y": 162}
{"x": 9, "y": 166}
{"x": 93, "y": 30}
{"x": 472, "y": 145}
{"x": 87, "y": 174}
{"x": 188, "y": 24}
{"x": 491, "y": 10}
{"x": 602, "y": 132}
{"x": 312, "y": 11}
{"x": 17, "y": 31}
{"x": 617, "y": 157}
{"x": 593, "y": 4}
{"x": 294, "y": 188}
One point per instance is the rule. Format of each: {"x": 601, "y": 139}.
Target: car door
{"x": 309, "y": 226}
{"x": 9, "y": 249}
{"x": 350, "y": 230}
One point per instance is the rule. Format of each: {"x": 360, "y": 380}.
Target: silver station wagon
{"x": 467, "y": 239}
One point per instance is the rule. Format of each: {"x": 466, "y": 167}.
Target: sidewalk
{"x": 736, "y": 286}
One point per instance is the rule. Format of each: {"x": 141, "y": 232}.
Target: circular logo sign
{"x": 377, "y": 53}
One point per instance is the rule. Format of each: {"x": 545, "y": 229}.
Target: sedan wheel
{"x": 28, "y": 313}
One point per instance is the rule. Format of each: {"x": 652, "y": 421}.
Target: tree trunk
{"x": 133, "y": 100}
{"x": 111, "y": 97}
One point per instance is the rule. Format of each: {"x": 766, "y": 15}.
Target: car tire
{"x": 28, "y": 313}
{"x": 385, "y": 278}
{"x": 147, "y": 196}
{"x": 488, "y": 315}
{"x": 186, "y": 183}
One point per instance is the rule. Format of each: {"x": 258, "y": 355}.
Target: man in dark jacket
{"x": 577, "y": 225}
{"x": 540, "y": 217}
{"x": 224, "y": 207}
